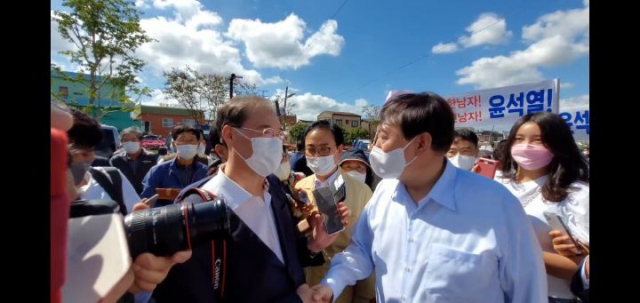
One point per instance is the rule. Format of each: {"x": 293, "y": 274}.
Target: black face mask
{"x": 78, "y": 170}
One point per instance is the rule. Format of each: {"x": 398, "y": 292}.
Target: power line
{"x": 420, "y": 58}
{"x": 334, "y": 14}
{"x": 332, "y": 17}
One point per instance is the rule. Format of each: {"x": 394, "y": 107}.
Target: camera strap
{"x": 218, "y": 248}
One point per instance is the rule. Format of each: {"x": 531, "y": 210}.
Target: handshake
{"x": 317, "y": 294}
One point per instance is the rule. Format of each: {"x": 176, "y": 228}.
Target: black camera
{"x": 166, "y": 230}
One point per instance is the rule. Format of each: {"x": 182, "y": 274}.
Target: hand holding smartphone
{"x": 556, "y": 223}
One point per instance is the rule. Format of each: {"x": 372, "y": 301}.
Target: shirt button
{"x": 404, "y": 299}
{"x": 410, "y": 240}
{"x": 408, "y": 269}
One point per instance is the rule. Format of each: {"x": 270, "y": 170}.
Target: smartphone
{"x": 327, "y": 206}
{"x": 487, "y": 167}
{"x": 151, "y": 202}
{"x": 556, "y": 222}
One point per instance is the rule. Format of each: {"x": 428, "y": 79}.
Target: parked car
{"x": 152, "y": 142}
{"x": 361, "y": 144}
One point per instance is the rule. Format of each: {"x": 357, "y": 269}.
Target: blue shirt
{"x": 171, "y": 175}
{"x": 468, "y": 240}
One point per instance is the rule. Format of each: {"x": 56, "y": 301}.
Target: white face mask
{"x": 131, "y": 147}
{"x": 389, "y": 165}
{"x": 187, "y": 151}
{"x": 201, "y": 149}
{"x": 267, "y": 153}
{"x": 463, "y": 162}
{"x": 357, "y": 175}
{"x": 321, "y": 166}
{"x": 284, "y": 171}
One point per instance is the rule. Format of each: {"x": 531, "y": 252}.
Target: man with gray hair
{"x": 134, "y": 162}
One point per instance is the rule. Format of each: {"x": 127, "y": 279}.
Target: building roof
{"x": 338, "y": 113}
{"x": 162, "y": 110}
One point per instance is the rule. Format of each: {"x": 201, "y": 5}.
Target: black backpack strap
{"x": 218, "y": 246}
{"x": 111, "y": 184}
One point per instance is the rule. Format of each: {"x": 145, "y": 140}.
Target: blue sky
{"x": 342, "y": 59}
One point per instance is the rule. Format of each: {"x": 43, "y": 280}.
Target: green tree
{"x": 353, "y": 134}
{"x": 296, "y": 131}
{"x": 105, "y": 34}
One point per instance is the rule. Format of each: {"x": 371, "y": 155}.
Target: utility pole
{"x": 233, "y": 77}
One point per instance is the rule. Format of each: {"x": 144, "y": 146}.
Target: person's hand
{"x": 142, "y": 205}
{"x": 474, "y": 169}
{"x": 322, "y": 293}
{"x": 305, "y": 293}
{"x": 564, "y": 246}
{"x": 319, "y": 237}
{"x": 150, "y": 270}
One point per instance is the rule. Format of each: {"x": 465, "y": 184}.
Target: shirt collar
{"x": 330, "y": 180}
{"x": 233, "y": 194}
{"x": 442, "y": 192}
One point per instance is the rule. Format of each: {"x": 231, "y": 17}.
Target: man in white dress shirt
{"x": 433, "y": 232}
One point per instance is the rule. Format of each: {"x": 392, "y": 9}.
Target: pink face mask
{"x": 531, "y": 157}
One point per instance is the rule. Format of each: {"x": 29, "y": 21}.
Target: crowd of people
{"x": 421, "y": 225}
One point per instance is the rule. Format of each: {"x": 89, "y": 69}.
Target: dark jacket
{"x": 144, "y": 163}
{"x": 254, "y": 273}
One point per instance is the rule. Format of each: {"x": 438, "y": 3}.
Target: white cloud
{"x": 361, "y": 102}
{"x": 157, "y": 98}
{"x": 559, "y": 41}
{"x": 57, "y": 42}
{"x": 273, "y": 80}
{"x": 442, "y": 48}
{"x": 280, "y": 44}
{"x": 204, "y": 50}
{"x": 574, "y": 103}
{"x": 308, "y": 106}
{"x": 568, "y": 24}
{"x": 566, "y": 85}
{"x": 142, "y": 4}
{"x": 487, "y": 29}
{"x": 65, "y": 65}
{"x": 184, "y": 9}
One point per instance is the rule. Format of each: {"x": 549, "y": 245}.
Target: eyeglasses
{"x": 267, "y": 132}
{"x": 322, "y": 151}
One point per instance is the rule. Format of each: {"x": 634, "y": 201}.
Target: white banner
{"x": 504, "y": 105}
{"x": 578, "y": 121}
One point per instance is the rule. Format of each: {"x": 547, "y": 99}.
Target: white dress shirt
{"x": 574, "y": 210}
{"x": 254, "y": 211}
{"x": 93, "y": 190}
{"x": 467, "y": 241}
{"x": 320, "y": 184}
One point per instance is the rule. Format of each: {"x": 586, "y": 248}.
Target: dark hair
{"x": 214, "y": 136}
{"x": 337, "y": 132}
{"x": 419, "y": 113}
{"x": 300, "y": 145}
{"x": 86, "y": 132}
{"x": 498, "y": 153}
{"x": 466, "y": 135}
{"x": 179, "y": 129}
{"x": 568, "y": 164}
{"x": 236, "y": 111}
{"x": 133, "y": 131}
